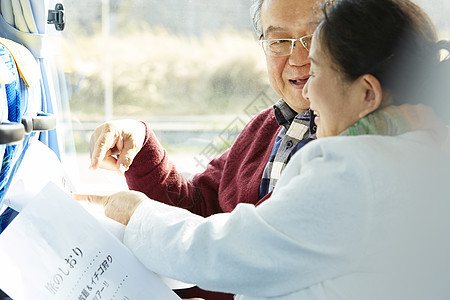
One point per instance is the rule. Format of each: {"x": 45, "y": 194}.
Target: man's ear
{"x": 373, "y": 94}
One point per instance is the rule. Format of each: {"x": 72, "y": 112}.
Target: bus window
{"x": 193, "y": 70}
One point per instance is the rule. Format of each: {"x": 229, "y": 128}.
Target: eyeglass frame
{"x": 300, "y": 39}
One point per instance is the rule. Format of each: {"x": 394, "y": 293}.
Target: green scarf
{"x": 390, "y": 121}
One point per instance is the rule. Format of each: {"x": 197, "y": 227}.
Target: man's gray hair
{"x": 255, "y": 13}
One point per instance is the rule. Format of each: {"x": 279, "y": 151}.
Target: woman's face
{"x": 337, "y": 103}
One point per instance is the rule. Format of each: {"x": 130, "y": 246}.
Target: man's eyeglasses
{"x": 284, "y": 47}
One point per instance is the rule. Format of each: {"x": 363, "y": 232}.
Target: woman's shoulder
{"x": 374, "y": 151}
{"x": 417, "y": 139}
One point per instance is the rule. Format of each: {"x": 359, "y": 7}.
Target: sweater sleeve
{"x": 310, "y": 230}
{"x": 229, "y": 179}
{"x": 156, "y": 176}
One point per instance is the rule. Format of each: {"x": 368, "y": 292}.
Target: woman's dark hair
{"x": 394, "y": 40}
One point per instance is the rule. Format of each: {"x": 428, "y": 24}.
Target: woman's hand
{"x": 119, "y": 206}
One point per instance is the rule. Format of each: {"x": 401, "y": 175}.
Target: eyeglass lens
{"x": 280, "y": 47}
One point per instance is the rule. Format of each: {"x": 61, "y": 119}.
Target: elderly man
{"x": 249, "y": 170}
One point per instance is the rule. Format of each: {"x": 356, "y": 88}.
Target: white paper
{"x": 39, "y": 166}
{"x": 54, "y": 249}
{"x": 118, "y": 230}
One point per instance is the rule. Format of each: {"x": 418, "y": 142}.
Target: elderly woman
{"x": 360, "y": 213}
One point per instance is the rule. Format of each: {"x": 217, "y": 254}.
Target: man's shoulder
{"x": 265, "y": 116}
{"x": 260, "y": 130}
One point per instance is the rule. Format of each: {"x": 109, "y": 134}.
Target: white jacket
{"x": 361, "y": 218}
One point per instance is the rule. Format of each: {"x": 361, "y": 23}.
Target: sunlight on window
{"x": 191, "y": 69}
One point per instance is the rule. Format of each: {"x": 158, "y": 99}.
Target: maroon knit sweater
{"x": 228, "y": 180}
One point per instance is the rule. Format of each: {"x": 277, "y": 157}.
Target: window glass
{"x": 192, "y": 69}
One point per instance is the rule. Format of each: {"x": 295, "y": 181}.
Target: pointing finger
{"x": 95, "y": 199}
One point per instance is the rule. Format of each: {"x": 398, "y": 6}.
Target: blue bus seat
{"x": 23, "y": 97}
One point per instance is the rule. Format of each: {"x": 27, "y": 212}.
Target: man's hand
{"x": 115, "y": 144}
{"x": 119, "y": 206}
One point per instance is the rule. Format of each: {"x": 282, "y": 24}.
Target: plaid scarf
{"x": 297, "y": 131}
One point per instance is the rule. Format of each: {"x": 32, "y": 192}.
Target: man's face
{"x": 289, "y": 19}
